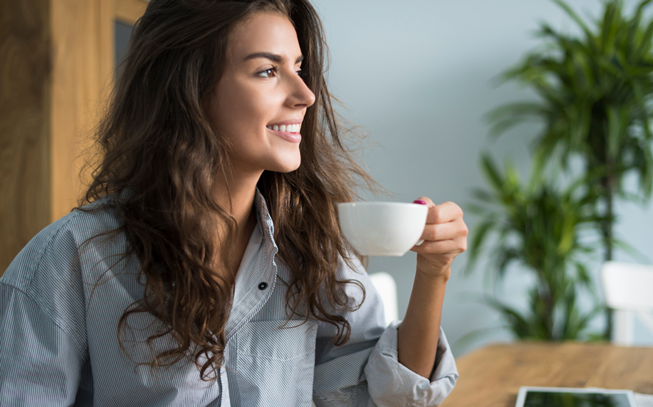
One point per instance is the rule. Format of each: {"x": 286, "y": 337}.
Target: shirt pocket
{"x": 274, "y": 365}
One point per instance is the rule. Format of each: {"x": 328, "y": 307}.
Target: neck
{"x": 238, "y": 201}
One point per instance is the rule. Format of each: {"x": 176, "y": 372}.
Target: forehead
{"x": 264, "y": 32}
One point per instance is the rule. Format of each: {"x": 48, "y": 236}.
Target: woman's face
{"x": 261, "y": 100}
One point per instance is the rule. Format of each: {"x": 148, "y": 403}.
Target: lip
{"x": 292, "y": 137}
{"x": 287, "y": 122}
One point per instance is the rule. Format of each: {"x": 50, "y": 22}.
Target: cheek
{"x": 232, "y": 108}
{"x": 243, "y": 109}
{"x": 260, "y": 107}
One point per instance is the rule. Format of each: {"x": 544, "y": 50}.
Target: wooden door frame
{"x": 56, "y": 64}
{"x": 82, "y": 81}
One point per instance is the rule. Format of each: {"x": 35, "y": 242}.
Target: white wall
{"x": 418, "y": 76}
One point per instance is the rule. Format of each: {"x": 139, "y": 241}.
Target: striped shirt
{"x": 59, "y": 344}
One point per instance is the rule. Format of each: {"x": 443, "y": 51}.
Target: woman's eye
{"x": 302, "y": 74}
{"x": 268, "y": 73}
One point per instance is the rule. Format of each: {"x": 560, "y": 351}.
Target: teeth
{"x": 291, "y": 128}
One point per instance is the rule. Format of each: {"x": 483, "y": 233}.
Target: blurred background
{"x": 419, "y": 78}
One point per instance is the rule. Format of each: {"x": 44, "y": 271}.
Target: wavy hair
{"x": 160, "y": 155}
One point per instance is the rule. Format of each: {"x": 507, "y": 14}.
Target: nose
{"x": 300, "y": 96}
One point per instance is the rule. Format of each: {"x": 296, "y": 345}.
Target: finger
{"x": 445, "y": 212}
{"x": 445, "y": 231}
{"x": 429, "y": 204}
{"x": 432, "y": 214}
{"x": 422, "y": 200}
{"x": 452, "y": 246}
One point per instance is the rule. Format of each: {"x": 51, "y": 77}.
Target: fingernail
{"x": 419, "y": 201}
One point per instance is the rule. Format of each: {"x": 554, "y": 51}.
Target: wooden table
{"x": 492, "y": 376}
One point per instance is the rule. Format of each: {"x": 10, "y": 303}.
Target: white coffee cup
{"x": 382, "y": 228}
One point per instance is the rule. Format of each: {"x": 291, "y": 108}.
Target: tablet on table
{"x": 574, "y": 397}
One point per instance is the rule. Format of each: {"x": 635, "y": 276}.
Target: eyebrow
{"x": 272, "y": 57}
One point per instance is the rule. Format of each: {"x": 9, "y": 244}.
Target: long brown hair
{"x": 160, "y": 155}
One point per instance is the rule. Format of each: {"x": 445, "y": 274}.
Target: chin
{"x": 289, "y": 162}
{"x": 288, "y": 169}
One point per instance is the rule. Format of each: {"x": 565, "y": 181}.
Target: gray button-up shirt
{"x": 59, "y": 346}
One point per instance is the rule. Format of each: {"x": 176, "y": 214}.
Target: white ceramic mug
{"x": 382, "y": 228}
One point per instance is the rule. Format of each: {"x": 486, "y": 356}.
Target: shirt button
{"x": 263, "y": 286}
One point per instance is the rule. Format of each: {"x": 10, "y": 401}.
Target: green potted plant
{"x": 537, "y": 226}
{"x": 595, "y": 102}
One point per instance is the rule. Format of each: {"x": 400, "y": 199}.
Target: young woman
{"x": 207, "y": 267}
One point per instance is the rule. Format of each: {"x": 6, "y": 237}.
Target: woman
{"x": 207, "y": 268}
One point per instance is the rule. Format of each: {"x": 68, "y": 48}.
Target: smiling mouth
{"x": 291, "y": 128}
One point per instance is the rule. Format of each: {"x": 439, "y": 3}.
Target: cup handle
{"x": 420, "y": 242}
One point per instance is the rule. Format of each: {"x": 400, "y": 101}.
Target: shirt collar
{"x": 257, "y": 267}
{"x": 264, "y": 220}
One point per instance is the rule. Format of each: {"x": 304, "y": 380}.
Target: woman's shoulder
{"x": 89, "y": 220}
{"x": 69, "y": 232}
{"x": 47, "y": 278}
{"x": 58, "y": 244}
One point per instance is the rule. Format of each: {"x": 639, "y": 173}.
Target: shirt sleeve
{"x": 365, "y": 370}
{"x": 39, "y": 364}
